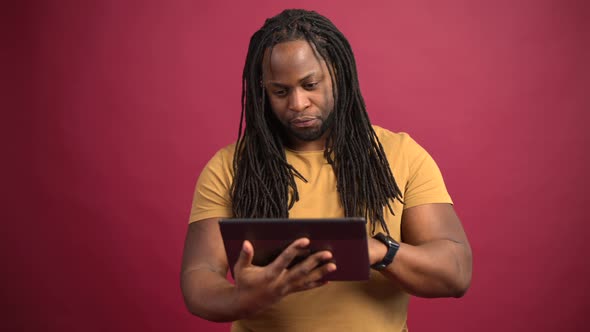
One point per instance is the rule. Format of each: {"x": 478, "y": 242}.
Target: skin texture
{"x": 434, "y": 259}
{"x": 299, "y": 89}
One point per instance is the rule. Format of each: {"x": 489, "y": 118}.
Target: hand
{"x": 258, "y": 287}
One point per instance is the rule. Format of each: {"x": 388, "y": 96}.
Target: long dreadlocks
{"x": 264, "y": 183}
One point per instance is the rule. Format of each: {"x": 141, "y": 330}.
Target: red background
{"x": 113, "y": 107}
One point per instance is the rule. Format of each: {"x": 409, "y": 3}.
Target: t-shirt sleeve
{"x": 425, "y": 183}
{"x": 212, "y": 192}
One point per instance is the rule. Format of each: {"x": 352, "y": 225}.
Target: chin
{"x": 307, "y": 134}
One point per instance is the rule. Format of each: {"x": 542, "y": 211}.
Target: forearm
{"x": 210, "y": 296}
{"x": 441, "y": 268}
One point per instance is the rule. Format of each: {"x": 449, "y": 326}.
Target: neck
{"x": 298, "y": 144}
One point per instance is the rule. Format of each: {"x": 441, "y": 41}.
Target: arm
{"x": 434, "y": 259}
{"x": 208, "y": 294}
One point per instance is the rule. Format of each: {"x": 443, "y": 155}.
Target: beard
{"x": 312, "y": 133}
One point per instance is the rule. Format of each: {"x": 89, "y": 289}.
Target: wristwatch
{"x": 392, "y": 247}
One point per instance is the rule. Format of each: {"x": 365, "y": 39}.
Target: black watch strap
{"x": 392, "y": 247}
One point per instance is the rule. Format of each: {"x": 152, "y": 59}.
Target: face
{"x": 299, "y": 90}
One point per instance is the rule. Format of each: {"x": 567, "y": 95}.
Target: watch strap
{"x": 392, "y": 248}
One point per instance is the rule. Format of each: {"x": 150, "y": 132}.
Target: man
{"x": 308, "y": 150}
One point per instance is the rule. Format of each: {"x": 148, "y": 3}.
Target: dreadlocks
{"x": 264, "y": 183}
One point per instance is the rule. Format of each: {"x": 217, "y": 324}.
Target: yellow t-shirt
{"x": 375, "y": 305}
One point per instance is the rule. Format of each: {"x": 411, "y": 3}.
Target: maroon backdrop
{"x": 114, "y": 107}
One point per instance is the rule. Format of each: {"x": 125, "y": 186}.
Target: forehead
{"x": 290, "y": 60}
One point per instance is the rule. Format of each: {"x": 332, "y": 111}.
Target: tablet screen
{"x": 346, "y": 238}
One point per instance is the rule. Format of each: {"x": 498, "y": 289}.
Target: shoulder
{"x": 413, "y": 168}
{"x": 400, "y": 148}
{"x": 218, "y": 171}
{"x": 228, "y": 150}
{"x": 393, "y": 141}
{"x": 224, "y": 155}
{"x": 220, "y": 165}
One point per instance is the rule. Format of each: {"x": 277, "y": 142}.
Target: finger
{"x": 297, "y": 248}
{"x": 246, "y": 256}
{"x": 321, "y": 272}
{"x": 314, "y": 284}
{"x": 303, "y": 270}
{"x": 316, "y": 278}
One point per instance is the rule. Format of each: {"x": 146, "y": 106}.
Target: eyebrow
{"x": 306, "y": 77}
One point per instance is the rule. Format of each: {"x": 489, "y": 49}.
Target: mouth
{"x": 304, "y": 122}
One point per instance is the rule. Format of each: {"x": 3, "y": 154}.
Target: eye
{"x": 280, "y": 93}
{"x": 310, "y": 86}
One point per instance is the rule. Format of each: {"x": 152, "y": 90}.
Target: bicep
{"x": 430, "y": 222}
{"x": 439, "y": 245}
{"x": 203, "y": 248}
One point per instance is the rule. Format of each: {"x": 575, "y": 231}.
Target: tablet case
{"x": 346, "y": 238}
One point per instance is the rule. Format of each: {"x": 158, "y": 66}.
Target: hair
{"x": 264, "y": 182}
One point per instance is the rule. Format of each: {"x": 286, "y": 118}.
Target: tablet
{"x": 346, "y": 238}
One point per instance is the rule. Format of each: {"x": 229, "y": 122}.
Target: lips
{"x": 303, "y": 122}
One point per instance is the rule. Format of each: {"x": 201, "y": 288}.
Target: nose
{"x": 298, "y": 100}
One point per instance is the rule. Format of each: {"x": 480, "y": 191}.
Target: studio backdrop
{"x": 123, "y": 103}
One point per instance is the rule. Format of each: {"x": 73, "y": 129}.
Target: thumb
{"x": 246, "y": 256}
